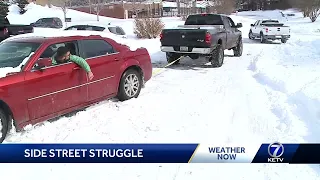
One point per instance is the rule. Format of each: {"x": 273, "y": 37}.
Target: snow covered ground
{"x": 269, "y": 94}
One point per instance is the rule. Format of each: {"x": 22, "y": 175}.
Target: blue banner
{"x": 96, "y": 153}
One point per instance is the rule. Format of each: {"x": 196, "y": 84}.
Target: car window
{"x": 204, "y": 19}
{"x": 72, "y": 28}
{"x": 13, "y": 54}
{"x": 226, "y": 22}
{"x": 52, "y": 49}
{"x": 98, "y": 28}
{"x": 94, "y": 48}
{"x": 120, "y": 31}
{"x": 112, "y": 30}
{"x": 89, "y": 28}
{"x": 231, "y": 22}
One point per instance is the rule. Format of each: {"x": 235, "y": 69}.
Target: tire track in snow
{"x": 292, "y": 109}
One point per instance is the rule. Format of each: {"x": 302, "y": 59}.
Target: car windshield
{"x": 12, "y": 54}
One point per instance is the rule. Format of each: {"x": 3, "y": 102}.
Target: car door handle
{"x": 116, "y": 59}
{"x": 76, "y": 68}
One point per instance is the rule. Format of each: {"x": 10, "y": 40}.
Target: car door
{"x": 233, "y": 35}
{"x": 228, "y": 32}
{"x": 255, "y": 29}
{"x": 54, "y": 88}
{"x": 104, "y": 62}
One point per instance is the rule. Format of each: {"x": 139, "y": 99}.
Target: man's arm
{"x": 81, "y": 62}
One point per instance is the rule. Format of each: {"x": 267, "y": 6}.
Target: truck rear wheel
{"x": 217, "y": 56}
{"x": 173, "y": 57}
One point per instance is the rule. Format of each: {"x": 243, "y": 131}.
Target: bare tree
{"x": 98, "y": 6}
{"x": 63, "y": 4}
{"x": 310, "y": 8}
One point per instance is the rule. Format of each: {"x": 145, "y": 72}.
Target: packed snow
{"x": 269, "y": 94}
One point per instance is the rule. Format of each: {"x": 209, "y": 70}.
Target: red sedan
{"x": 39, "y": 90}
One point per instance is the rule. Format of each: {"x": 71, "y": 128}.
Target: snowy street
{"x": 270, "y": 93}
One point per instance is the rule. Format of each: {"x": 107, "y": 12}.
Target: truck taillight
{"x": 5, "y": 31}
{"x": 208, "y": 38}
{"x": 161, "y": 36}
{"x": 267, "y": 30}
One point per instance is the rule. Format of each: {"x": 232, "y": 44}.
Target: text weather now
{"x": 226, "y": 153}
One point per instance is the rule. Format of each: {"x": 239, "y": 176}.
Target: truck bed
{"x": 14, "y": 29}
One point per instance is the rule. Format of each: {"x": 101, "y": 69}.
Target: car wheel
{"x": 262, "y": 39}
{"x": 3, "y": 125}
{"x": 251, "y": 35}
{"x": 130, "y": 85}
{"x": 284, "y": 40}
{"x": 237, "y": 51}
{"x": 217, "y": 57}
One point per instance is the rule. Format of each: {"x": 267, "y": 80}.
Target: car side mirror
{"x": 39, "y": 67}
{"x": 251, "y": 25}
{"x": 239, "y": 25}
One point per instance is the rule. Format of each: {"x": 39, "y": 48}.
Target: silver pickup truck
{"x": 269, "y": 30}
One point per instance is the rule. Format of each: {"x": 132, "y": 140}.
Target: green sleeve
{"x": 81, "y": 62}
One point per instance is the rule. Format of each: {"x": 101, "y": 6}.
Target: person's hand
{"x": 90, "y": 75}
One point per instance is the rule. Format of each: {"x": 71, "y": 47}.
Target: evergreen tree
{"x": 22, "y": 4}
{"x": 3, "y": 8}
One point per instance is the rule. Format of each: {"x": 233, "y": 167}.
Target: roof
{"x": 92, "y": 24}
{"x": 43, "y": 37}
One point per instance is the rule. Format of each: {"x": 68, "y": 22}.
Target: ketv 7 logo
{"x": 275, "y": 150}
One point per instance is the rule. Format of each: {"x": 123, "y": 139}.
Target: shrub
{"x": 148, "y": 27}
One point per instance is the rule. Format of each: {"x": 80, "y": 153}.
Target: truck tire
{"x": 262, "y": 39}
{"x": 4, "y": 125}
{"x": 217, "y": 56}
{"x": 172, "y": 57}
{"x": 237, "y": 51}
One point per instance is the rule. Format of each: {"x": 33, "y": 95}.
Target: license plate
{"x": 183, "y": 48}
{"x": 278, "y": 36}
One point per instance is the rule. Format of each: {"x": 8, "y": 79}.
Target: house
{"x": 124, "y": 10}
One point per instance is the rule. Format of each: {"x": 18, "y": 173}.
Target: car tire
{"x": 262, "y": 39}
{"x": 217, "y": 56}
{"x": 172, "y": 57}
{"x": 251, "y": 35}
{"x": 4, "y": 125}
{"x": 130, "y": 85}
{"x": 284, "y": 40}
{"x": 237, "y": 51}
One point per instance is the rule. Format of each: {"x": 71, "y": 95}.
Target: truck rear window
{"x": 205, "y": 19}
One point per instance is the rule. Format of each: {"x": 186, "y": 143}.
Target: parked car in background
{"x": 7, "y": 29}
{"x": 269, "y": 30}
{"x": 50, "y": 22}
{"x": 39, "y": 91}
{"x": 117, "y": 30}
{"x": 206, "y": 35}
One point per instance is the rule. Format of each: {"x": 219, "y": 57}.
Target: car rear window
{"x": 204, "y": 19}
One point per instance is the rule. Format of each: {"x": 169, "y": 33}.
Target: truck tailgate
{"x": 184, "y": 37}
{"x": 276, "y": 29}
{"x": 19, "y": 29}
